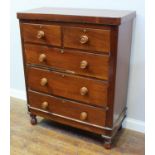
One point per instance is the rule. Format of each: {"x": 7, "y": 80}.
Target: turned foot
{"x": 120, "y": 128}
{"x": 33, "y": 119}
{"x": 107, "y": 144}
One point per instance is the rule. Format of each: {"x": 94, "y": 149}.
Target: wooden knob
{"x": 83, "y": 64}
{"x": 43, "y": 82}
{"x": 42, "y": 57}
{"x": 40, "y": 34}
{"x": 83, "y": 39}
{"x": 83, "y": 116}
{"x": 83, "y": 91}
{"x": 44, "y": 105}
{"x": 62, "y": 51}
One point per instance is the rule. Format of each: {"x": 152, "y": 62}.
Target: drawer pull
{"x": 83, "y": 91}
{"x": 83, "y": 116}
{"x": 43, "y": 82}
{"x": 42, "y": 57}
{"x": 83, "y": 39}
{"x": 44, "y": 105}
{"x": 40, "y": 34}
{"x": 83, "y": 64}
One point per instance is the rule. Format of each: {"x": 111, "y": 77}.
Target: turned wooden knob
{"x": 83, "y": 39}
{"x": 43, "y": 81}
{"x": 83, "y": 116}
{"x": 44, "y": 105}
{"x": 42, "y": 57}
{"x": 40, "y": 34}
{"x": 83, "y": 64}
{"x": 83, "y": 91}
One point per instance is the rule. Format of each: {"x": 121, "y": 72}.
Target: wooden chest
{"x": 76, "y": 65}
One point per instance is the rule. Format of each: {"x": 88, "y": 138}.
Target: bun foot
{"x": 120, "y": 128}
{"x": 107, "y": 142}
{"x": 33, "y": 119}
{"x": 107, "y": 145}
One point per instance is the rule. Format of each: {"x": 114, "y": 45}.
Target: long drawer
{"x": 67, "y": 109}
{"x": 73, "y": 87}
{"x": 42, "y": 34}
{"x": 82, "y": 63}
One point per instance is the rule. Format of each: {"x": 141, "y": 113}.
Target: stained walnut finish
{"x": 87, "y": 39}
{"x": 76, "y": 65}
{"x": 42, "y": 34}
{"x": 67, "y": 108}
{"x": 68, "y": 86}
{"x": 80, "y": 62}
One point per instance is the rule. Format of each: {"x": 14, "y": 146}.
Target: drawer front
{"x": 73, "y": 87}
{"x": 79, "y": 62}
{"x": 87, "y": 39}
{"x": 42, "y": 34}
{"x": 66, "y": 108}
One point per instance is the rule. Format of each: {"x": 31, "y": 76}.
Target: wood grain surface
{"x": 67, "y": 108}
{"x": 98, "y": 39}
{"x": 52, "y": 34}
{"x": 64, "y": 59}
{"x": 95, "y": 16}
{"x": 49, "y": 138}
{"x": 68, "y": 86}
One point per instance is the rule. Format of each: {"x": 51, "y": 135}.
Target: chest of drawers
{"x": 76, "y": 65}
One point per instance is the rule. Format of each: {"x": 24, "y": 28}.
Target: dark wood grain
{"x": 112, "y": 73}
{"x": 24, "y": 62}
{"x": 52, "y": 34}
{"x": 67, "y": 108}
{"x": 100, "y": 16}
{"x": 98, "y": 65}
{"x": 98, "y": 40}
{"x": 68, "y": 86}
{"x": 122, "y": 68}
{"x": 68, "y": 122}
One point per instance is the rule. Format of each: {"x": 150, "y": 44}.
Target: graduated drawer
{"x": 87, "y": 39}
{"x": 82, "y": 63}
{"x": 72, "y": 87}
{"x": 42, "y": 34}
{"x": 67, "y": 109}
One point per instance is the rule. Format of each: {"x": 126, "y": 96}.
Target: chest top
{"x": 91, "y": 16}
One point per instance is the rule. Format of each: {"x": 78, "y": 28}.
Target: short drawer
{"x": 67, "y": 109}
{"x": 42, "y": 34}
{"x": 72, "y": 87}
{"x": 87, "y": 39}
{"x": 78, "y": 62}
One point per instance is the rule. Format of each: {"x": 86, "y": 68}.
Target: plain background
{"x": 136, "y": 90}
